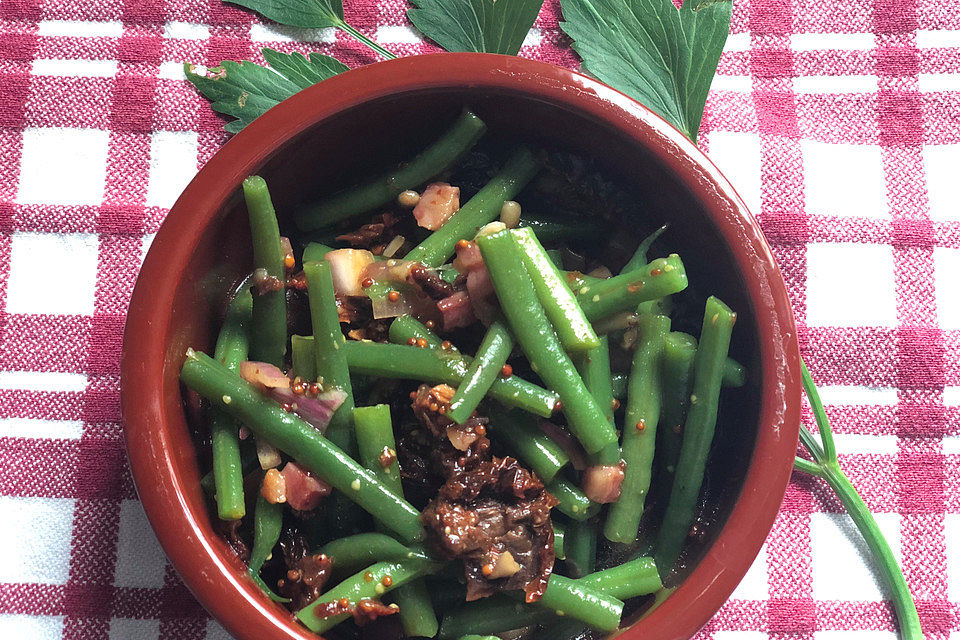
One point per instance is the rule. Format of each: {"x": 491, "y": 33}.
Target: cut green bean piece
{"x": 314, "y": 252}
{"x": 500, "y": 613}
{"x": 734, "y": 374}
{"x": 435, "y": 366}
{"x": 573, "y": 502}
{"x": 378, "y": 453}
{"x": 519, "y": 432}
{"x": 482, "y": 208}
{"x": 267, "y": 524}
{"x": 432, "y": 161}
{"x": 581, "y": 547}
{"x": 698, "y": 432}
{"x": 662, "y": 277}
{"x": 269, "y": 334}
{"x": 328, "y": 342}
{"x": 299, "y": 439}
{"x": 482, "y": 372}
{"x": 232, "y": 346}
{"x": 582, "y": 601}
{"x": 559, "y": 538}
{"x": 303, "y": 358}
{"x": 363, "y": 549}
{"x": 618, "y": 385}
{"x": 360, "y": 586}
{"x": 528, "y": 321}
{"x": 676, "y": 369}
{"x": 594, "y": 367}
{"x": 640, "y": 429}
{"x": 406, "y": 327}
{"x": 552, "y": 231}
{"x": 558, "y": 302}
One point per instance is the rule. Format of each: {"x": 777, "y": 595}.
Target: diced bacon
{"x": 304, "y": 491}
{"x": 456, "y": 311}
{"x": 438, "y": 202}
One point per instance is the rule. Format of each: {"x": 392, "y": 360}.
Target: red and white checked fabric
{"x": 838, "y": 122}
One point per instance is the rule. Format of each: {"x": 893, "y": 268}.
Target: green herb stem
{"x": 346, "y": 28}
{"x": 825, "y": 466}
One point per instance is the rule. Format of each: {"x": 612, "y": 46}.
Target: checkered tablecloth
{"x": 839, "y": 122}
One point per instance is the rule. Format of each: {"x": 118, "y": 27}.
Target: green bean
{"x": 429, "y": 365}
{"x": 303, "y": 358}
{"x": 362, "y": 549}
{"x": 314, "y": 252}
{"x": 559, "y": 538}
{"x": 405, "y": 327}
{"x": 267, "y": 524}
{"x": 638, "y": 577}
{"x": 518, "y": 300}
{"x": 640, "y": 429}
{"x": 417, "y": 616}
{"x": 299, "y": 439}
{"x": 698, "y": 432}
{"x": 734, "y": 374}
{"x": 232, "y": 345}
{"x": 565, "y": 597}
{"x": 573, "y": 502}
{"x": 552, "y": 231}
{"x": 519, "y": 432}
{"x": 494, "y": 614}
{"x": 595, "y": 369}
{"x": 360, "y": 586}
{"x": 662, "y": 277}
{"x": 634, "y": 578}
{"x": 558, "y": 302}
{"x": 482, "y": 208}
{"x": 482, "y": 372}
{"x": 676, "y": 369}
{"x": 639, "y": 257}
{"x": 556, "y": 257}
{"x": 269, "y": 335}
{"x": 375, "y": 439}
{"x": 618, "y": 385}
{"x": 433, "y": 160}
{"x": 248, "y": 464}
{"x": 581, "y": 547}
{"x": 328, "y": 344}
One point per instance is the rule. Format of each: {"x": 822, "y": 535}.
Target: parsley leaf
{"x": 310, "y": 14}
{"x": 484, "y": 26}
{"x": 663, "y": 57}
{"x": 246, "y": 90}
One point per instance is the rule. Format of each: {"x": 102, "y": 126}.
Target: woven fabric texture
{"x": 839, "y": 123}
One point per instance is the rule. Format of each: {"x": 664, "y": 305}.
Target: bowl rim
{"x": 216, "y": 585}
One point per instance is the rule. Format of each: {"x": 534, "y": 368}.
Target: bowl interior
{"x": 369, "y": 137}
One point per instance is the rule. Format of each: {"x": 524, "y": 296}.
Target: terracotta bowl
{"x": 363, "y": 120}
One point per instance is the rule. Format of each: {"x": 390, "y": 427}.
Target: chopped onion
{"x": 263, "y": 375}
{"x": 622, "y": 320}
{"x": 460, "y": 438}
{"x": 315, "y": 410}
{"x": 483, "y": 298}
{"x": 389, "y": 270}
{"x": 288, "y": 260}
{"x": 602, "y": 483}
{"x": 437, "y": 204}
{"x": 347, "y": 267}
{"x": 268, "y": 455}
{"x": 410, "y": 300}
{"x": 393, "y": 246}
